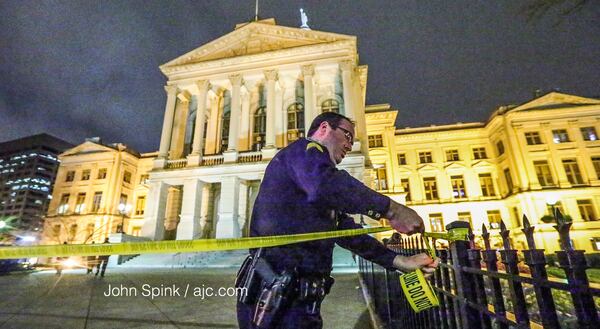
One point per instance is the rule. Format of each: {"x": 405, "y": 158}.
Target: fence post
{"x": 491, "y": 260}
{"x": 510, "y": 260}
{"x": 535, "y": 259}
{"x": 475, "y": 261}
{"x": 574, "y": 264}
{"x": 464, "y": 286}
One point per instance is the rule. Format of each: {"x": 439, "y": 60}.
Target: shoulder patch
{"x": 315, "y": 145}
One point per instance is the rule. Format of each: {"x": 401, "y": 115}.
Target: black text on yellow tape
{"x": 418, "y": 291}
{"x": 156, "y": 247}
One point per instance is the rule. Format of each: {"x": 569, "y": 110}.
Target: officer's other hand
{"x": 411, "y": 263}
{"x": 404, "y": 219}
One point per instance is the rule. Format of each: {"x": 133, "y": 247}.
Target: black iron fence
{"x": 489, "y": 288}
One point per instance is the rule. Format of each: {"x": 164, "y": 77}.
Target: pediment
{"x": 556, "y": 100}
{"x": 427, "y": 167}
{"x": 404, "y": 170}
{"x": 87, "y": 148}
{"x": 482, "y": 163}
{"x": 253, "y": 38}
{"x": 454, "y": 166}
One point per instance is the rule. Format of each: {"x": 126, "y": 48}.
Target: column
{"x": 244, "y": 135}
{"x": 179, "y": 125}
{"x": 154, "y": 214}
{"x": 191, "y": 206}
{"x": 236, "y": 104}
{"x": 195, "y": 158}
{"x": 227, "y": 222}
{"x": 309, "y": 98}
{"x": 279, "y": 122}
{"x": 270, "y": 149}
{"x": 213, "y": 124}
{"x": 347, "y": 67}
{"x": 165, "y": 137}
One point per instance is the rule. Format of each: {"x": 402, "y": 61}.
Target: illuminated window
{"x": 56, "y": 230}
{"x": 487, "y": 185}
{"x": 401, "y": 158}
{"x": 560, "y": 136}
{"x": 136, "y": 230}
{"x": 586, "y": 210}
{"x": 542, "y": 170}
{"x": 330, "y": 105}
{"x": 96, "y": 201}
{"x": 140, "y": 205}
{"x": 225, "y": 131}
{"x": 572, "y": 171}
{"x": 500, "y": 147}
{"x": 589, "y": 133}
{"x": 72, "y": 232}
{"x": 85, "y": 175}
{"x": 406, "y": 186}
{"x": 452, "y": 155}
{"x": 101, "y": 173}
{"x": 458, "y": 187}
{"x": 533, "y": 138}
{"x": 375, "y": 141}
{"x": 381, "y": 179}
{"x": 494, "y": 218}
{"x": 64, "y": 203}
{"x": 80, "y": 203}
{"x": 260, "y": 128}
{"x": 479, "y": 153}
{"x": 430, "y": 186}
{"x": 89, "y": 231}
{"x": 465, "y": 216}
{"x": 509, "y": 182}
{"x": 425, "y": 157}
{"x": 144, "y": 178}
{"x": 295, "y": 121}
{"x": 437, "y": 222}
{"x": 70, "y": 176}
{"x": 596, "y": 163}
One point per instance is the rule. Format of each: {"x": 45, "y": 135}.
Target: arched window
{"x": 225, "y": 131}
{"x": 260, "y": 128}
{"x": 295, "y": 119}
{"x": 330, "y": 105}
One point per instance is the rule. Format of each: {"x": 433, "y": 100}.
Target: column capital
{"x": 236, "y": 79}
{"x": 184, "y": 96}
{"x": 308, "y": 69}
{"x": 171, "y": 89}
{"x": 347, "y": 65}
{"x": 201, "y": 85}
{"x": 270, "y": 74}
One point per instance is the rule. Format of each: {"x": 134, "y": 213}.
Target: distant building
{"x": 99, "y": 189}
{"x": 27, "y": 170}
{"x": 525, "y": 160}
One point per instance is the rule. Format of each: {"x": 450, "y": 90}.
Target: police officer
{"x": 303, "y": 192}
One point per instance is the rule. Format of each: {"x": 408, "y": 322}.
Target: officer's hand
{"x": 404, "y": 219}
{"x": 411, "y": 263}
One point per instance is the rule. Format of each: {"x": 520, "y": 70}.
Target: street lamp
{"x": 552, "y": 200}
{"x": 123, "y": 210}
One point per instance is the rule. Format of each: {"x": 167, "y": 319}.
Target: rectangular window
{"x": 136, "y": 230}
{"x": 516, "y": 217}
{"x": 479, "y": 153}
{"x": 127, "y": 177}
{"x": 144, "y": 178}
{"x": 56, "y": 230}
{"x": 89, "y": 232}
{"x": 572, "y": 171}
{"x": 465, "y": 216}
{"x": 72, "y": 232}
{"x": 560, "y": 136}
{"x": 596, "y": 163}
{"x": 542, "y": 170}
{"x": 533, "y": 138}
{"x": 430, "y": 186}
{"x": 96, "y": 201}
{"x": 401, "y": 158}
{"x": 437, "y": 222}
{"x": 63, "y": 206}
{"x": 101, "y": 173}
{"x": 589, "y": 133}
{"x": 376, "y": 141}
{"x": 140, "y": 205}
{"x": 85, "y": 175}
{"x": 509, "y": 182}
{"x": 70, "y": 176}
{"x": 452, "y": 155}
{"x": 80, "y": 203}
{"x": 380, "y": 179}
{"x": 487, "y": 185}
{"x": 494, "y": 218}
{"x": 123, "y": 199}
{"x": 586, "y": 209}
{"x": 406, "y": 186}
{"x": 425, "y": 157}
{"x": 500, "y": 147}
{"x": 458, "y": 187}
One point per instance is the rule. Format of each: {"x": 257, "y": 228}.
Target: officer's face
{"x": 340, "y": 140}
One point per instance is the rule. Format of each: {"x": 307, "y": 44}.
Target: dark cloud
{"x": 78, "y": 69}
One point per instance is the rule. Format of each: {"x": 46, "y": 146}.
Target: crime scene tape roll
{"x": 156, "y": 247}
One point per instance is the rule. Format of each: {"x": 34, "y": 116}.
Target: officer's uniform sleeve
{"x": 365, "y": 246}
{"x": 323, "y": 183}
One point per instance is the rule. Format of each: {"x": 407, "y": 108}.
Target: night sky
{"x": 78, "y": 69}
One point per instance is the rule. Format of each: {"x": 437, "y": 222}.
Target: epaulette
{"x": 313, "y": 144}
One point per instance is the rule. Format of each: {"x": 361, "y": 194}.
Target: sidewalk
{"x": 77, "y": 300}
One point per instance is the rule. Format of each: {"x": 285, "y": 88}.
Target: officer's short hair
{"x": 334, "y": 120}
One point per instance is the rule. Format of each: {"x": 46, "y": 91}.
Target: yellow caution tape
{"x": 156, "y": 247}
{"x": 455, "y": 234}
{"x": 418, "y": 291}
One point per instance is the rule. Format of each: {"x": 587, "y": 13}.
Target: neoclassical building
{"x": 525, "y": 160}
{"x": 231, "y": 104}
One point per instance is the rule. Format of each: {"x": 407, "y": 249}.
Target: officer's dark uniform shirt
{"x": 302, "y": 192}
